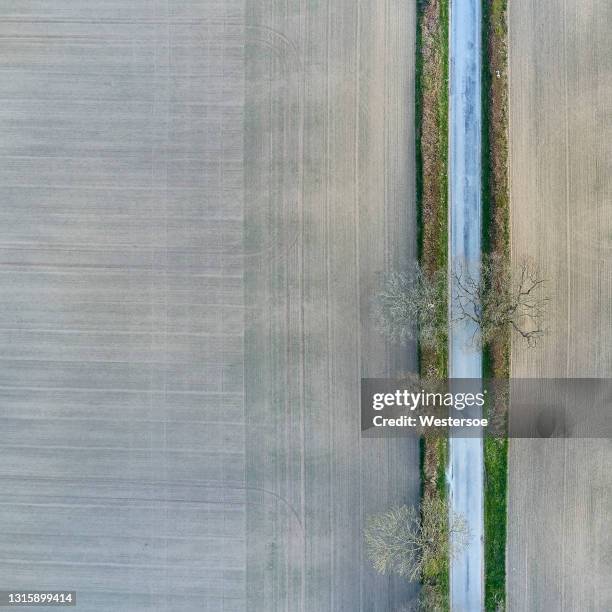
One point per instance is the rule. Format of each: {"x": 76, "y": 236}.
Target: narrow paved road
{"x": 466, "y": 458}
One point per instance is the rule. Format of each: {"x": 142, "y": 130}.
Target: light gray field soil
{"x": 559, "y": 541}
{"x": 180, "y": 354}
{"x": 122, "y": 457}
{"x": 329, "y": 206}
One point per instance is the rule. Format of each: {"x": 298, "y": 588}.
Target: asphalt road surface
{"x": 465, "y": 470}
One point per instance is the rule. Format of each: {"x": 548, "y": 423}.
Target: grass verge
{"x": 496, "y": 240}
{"x": 496, "y": 468}
{"x": 432, "y": 198}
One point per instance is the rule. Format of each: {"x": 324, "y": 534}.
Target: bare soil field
{"x": 329, "y": 206}
{"x": 190, "y": 240}
{"x": 122, "y": 456}
{"x": 561, "y": 185}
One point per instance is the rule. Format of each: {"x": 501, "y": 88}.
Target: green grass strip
{"x": 495, "y": 239}
{"x": 495, "y": 497}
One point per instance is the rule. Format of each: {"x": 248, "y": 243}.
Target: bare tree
{"x": 412, "y": 306}
{"x": 498, "y": 298}
{"x": 404, "y": 541}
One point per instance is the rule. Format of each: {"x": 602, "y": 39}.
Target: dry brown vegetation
{"x": 432, "y": 142}
{"x": 432, "y": 133}
{"x": 432, "y": 129}
{"x": 496, "y": 224}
